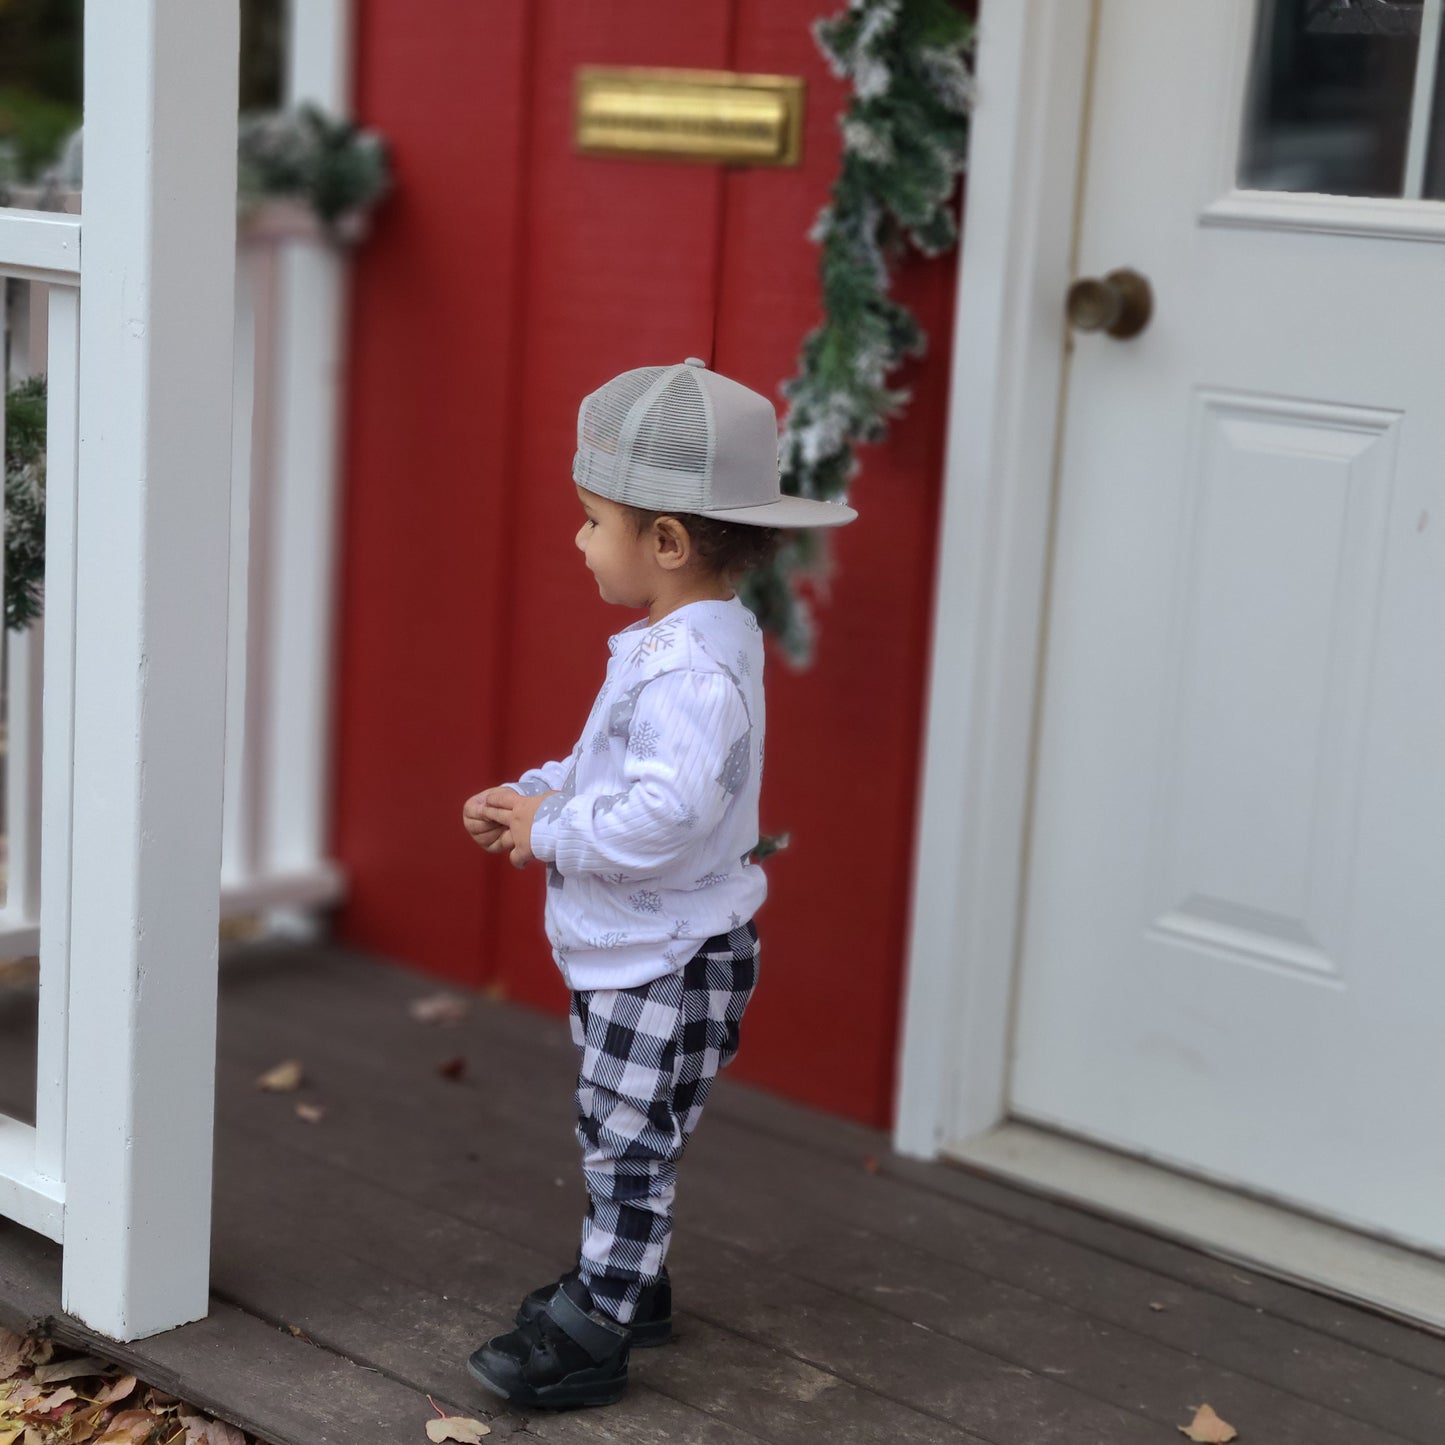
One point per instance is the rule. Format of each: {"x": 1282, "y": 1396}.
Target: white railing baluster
{"x": 56, "y": 755}
{"x": 24, "y": 672}
{"x": 303, "y": 552}
{"x": 238, "y": 819}
{"x": 281, "y": 588}
{"x": 311, "y": 359}
{"x": 24, "y": 681}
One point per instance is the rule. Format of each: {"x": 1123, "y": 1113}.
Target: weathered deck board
{"x": 920, "y": 1371}
{"x": 446, "y": 1285}
{"x": 1010, "y": 1275}
{"x": 817, "y": 1298}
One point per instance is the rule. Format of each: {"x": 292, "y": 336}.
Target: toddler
{"x": 646, "y": 832}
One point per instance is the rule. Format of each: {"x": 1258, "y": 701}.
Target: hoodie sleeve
{"x": 688, "y": 754}
{"x": 547, "y": 777}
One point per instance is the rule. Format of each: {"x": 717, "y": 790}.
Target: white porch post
{"x": 301, "y": 546}
{"x": 150, "y": 620}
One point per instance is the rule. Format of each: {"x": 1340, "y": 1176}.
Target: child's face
{"x": 623, "y": 562}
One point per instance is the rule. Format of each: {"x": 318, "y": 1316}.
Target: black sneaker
{"x": 569, "y": 1354}
{"x": 651, "y": 1325}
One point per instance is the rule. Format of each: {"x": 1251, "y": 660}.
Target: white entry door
{"x": 1233, "y": 957}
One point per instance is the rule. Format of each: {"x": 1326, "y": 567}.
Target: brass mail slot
{"x": 697, "y": 115}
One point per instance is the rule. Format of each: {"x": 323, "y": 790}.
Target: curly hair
{"x": 725, "y": 549}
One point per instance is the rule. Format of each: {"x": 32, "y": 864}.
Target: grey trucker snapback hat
{"x": 685, "y": 439}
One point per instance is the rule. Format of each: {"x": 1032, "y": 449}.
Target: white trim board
{"x": 1267, "y": 1237}
{"x": 1006, "y": 388}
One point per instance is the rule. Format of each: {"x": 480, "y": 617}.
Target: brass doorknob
{"x": 1119, "y": 304}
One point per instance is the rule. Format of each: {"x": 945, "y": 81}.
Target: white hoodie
{"x": 655, "y": 812}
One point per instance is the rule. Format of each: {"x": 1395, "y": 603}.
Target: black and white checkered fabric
{"x": 649, "y": 1056}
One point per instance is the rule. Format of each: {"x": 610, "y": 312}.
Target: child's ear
{"x": 671, "y": 544}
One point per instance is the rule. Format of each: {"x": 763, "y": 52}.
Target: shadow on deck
{"x": 826, "y": 1289}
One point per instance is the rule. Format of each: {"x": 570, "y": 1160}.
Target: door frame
{"x": 1005, "y": 407}
{"x": 1008, "y": 390}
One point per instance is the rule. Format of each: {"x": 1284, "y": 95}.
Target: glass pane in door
{"x": 1331, "y": 95}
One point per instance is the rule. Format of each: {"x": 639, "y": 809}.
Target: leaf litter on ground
{"x": 458, "y": 1428}
{"x": 1206, "y": 1428}
{"x": 92, "y": 1403}
{"x": 440, "y": 1008}
{"x": 283, "y": 1078}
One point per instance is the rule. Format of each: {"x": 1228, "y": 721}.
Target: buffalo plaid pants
{"x": 649, "y": 1056}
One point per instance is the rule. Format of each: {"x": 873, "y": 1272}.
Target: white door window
{"x": 1233, "y": 934}
{"x": 1345, "y": 97}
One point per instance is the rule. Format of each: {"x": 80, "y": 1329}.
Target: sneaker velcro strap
{"x": 599, "y": 1336}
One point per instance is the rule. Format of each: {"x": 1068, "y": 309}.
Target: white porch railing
{"x": 134, "y": 684}
{"x": 44, "y": 250}
{"x": 279, "y": 629}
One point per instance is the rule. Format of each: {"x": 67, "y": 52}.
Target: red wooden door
{"x": 507, "y": 277}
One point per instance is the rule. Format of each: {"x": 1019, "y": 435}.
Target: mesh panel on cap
{"x": 599, "y": 427}
{"x": 646, "y": 444}
{"x": 668, "y": 463}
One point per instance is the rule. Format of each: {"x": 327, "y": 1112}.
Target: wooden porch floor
{"x": 826, "y": 1290}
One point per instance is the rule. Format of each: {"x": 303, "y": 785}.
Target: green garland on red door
{"x": 905, "y": 142}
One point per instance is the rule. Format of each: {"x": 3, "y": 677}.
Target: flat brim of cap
{"x": 787, "y": 512}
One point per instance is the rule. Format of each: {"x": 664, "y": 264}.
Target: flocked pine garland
{"x": 905, "y": 140}
{"x": 335, "y": 167}
{"x": 24, "y": 501}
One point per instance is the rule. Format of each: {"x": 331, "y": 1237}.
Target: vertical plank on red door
{"x": 426, "y": 534}
{"x": 843, "y": 737}
{"x": 620, "y": 272}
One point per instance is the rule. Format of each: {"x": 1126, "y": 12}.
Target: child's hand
{"x": 516, "y": 820}
{"x": 488, "y": 832}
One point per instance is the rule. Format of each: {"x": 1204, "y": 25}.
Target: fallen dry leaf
{"x": 439, "y": 1008}
{"x": 312, "y": 1113}
{"x": 62, "y": 1396}
{"x": 283, "y": 1078}
{"x": 133, "y": 1420}
{"x": 135, "y": 1434}
{"x": 78, "y": 1429}
{"x": 117, "y": 1390}
{"x": 12, "y": 1353}
{"x": 69, "y": 1369}
{"x": 455, "y": 1427}
{"x": 219, "y": 1433}
{"x": 1207, "y": 1428}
